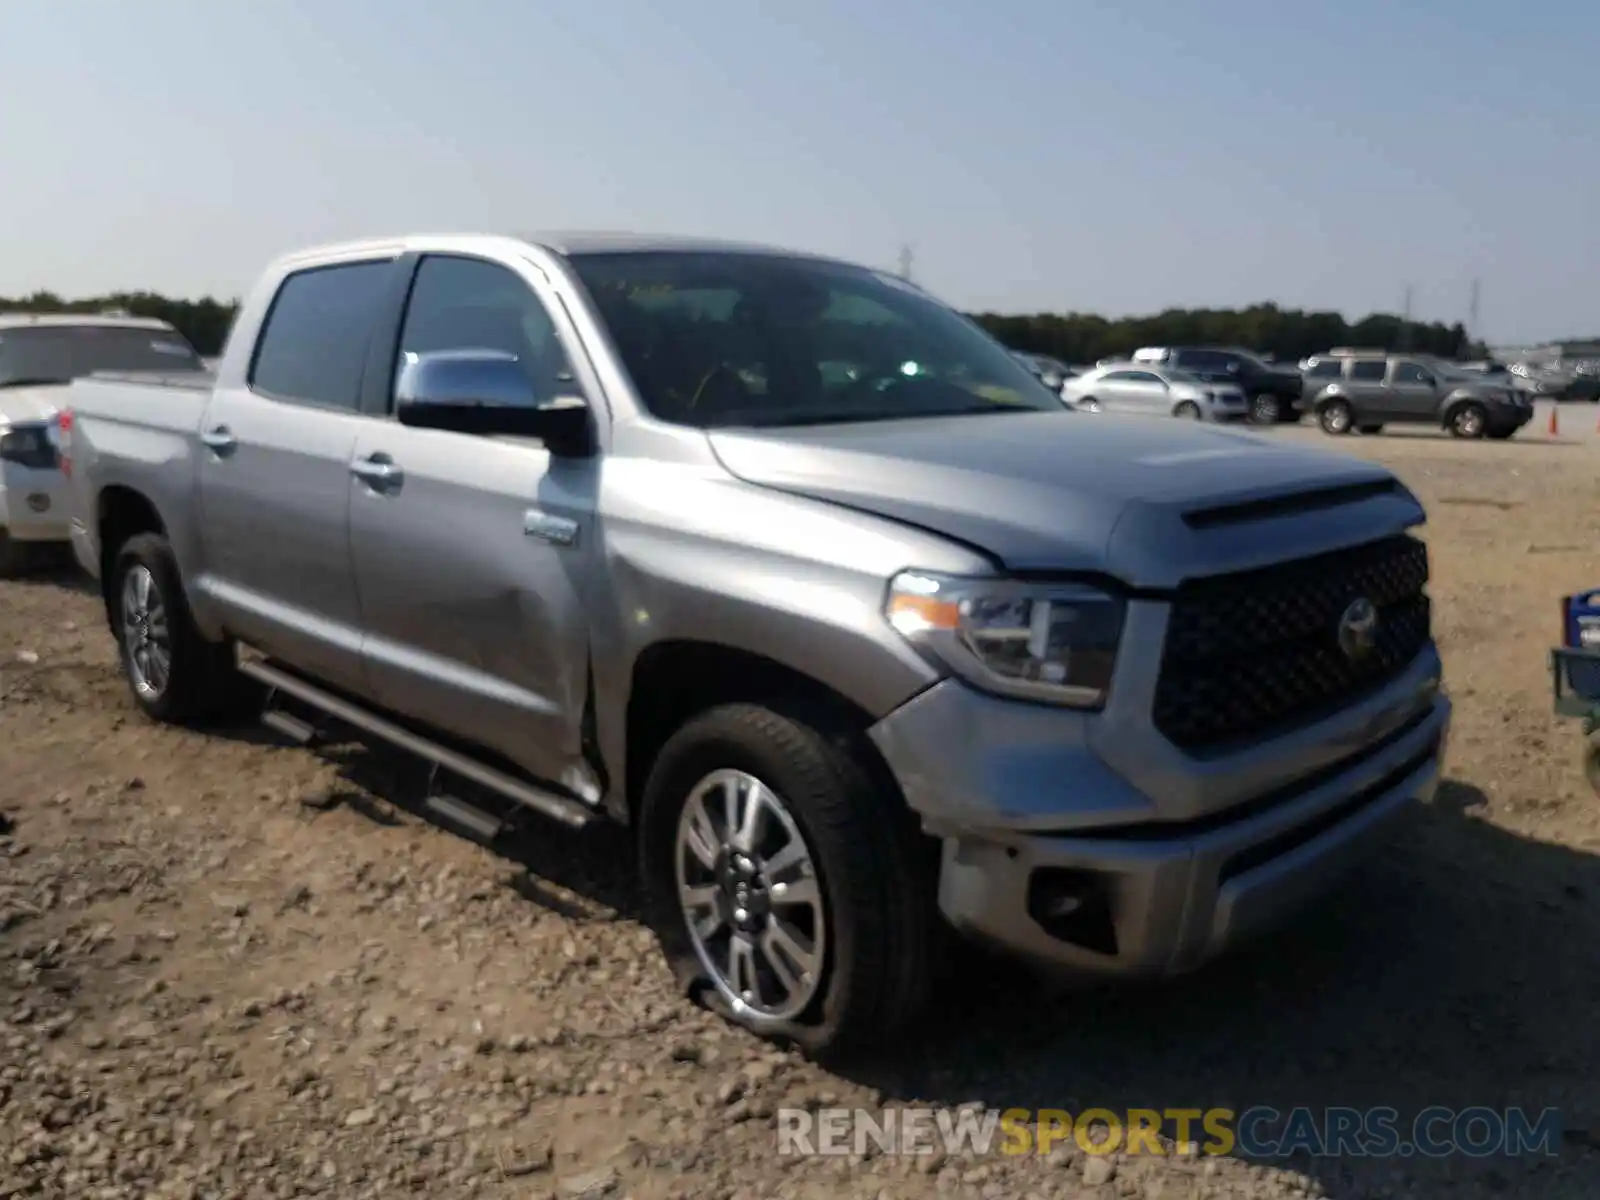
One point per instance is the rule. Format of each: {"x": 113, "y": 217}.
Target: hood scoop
{"x": 1292, "y": 504}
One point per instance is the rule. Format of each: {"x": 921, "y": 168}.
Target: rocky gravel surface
{"x": 234, "y": 969}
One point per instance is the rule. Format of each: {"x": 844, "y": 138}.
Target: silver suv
{"x": 796, "y": 572}
{"x": 1363, "y": 390}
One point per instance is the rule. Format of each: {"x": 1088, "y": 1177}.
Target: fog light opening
{"x": 1074, "y": 906}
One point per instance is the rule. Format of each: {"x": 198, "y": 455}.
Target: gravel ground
{"x": 230, "y": 968}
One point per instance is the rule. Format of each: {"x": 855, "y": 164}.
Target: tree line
{"x": 1287, "y": 334}
{"x": 1080, "y": 338}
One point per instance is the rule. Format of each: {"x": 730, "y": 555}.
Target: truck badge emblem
{"x": 1358, "y": 629}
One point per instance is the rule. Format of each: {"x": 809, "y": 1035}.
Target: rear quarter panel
{"x": 138, "y": 438}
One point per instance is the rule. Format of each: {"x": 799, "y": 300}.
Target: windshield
{"x": 716, "y": 339}
{"x": 60, "y": 353}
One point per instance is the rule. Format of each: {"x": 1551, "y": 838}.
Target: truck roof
{"x": 23, "y": 320}
{"x": 562, "y": 242}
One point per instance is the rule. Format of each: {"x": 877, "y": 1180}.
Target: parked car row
{"x": 865, "y": 634}
{"x": 1347, "y": 389}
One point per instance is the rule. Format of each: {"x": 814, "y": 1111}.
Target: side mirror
{"x": 488, "y": 392}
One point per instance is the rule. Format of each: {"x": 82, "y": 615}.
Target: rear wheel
{"x": 1188, "y": 410}
{"x": 1335, "y": 417}
{"x": 1468, "y": 421}
{"x": 789, "y": 891}
{"x": 174, "y": 673}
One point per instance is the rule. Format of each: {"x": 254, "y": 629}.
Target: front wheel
{"x": 1188, "y": 410}
{"x": 1468, "y": 421}
{"x": 174, "y": 673}
{"x": 789, "y": 892}
{"x": 1335, "y": 418}
{"x": 1089, "y": 404}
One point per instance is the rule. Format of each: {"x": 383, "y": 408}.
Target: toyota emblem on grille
{"x": 1358, "y": 629}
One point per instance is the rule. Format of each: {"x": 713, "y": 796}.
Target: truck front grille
{"x": 1258, "y": 653}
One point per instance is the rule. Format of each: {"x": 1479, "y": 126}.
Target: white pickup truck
{"x": 39, "y": 355}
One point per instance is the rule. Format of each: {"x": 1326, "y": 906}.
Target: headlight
{"x": 1052, "y": 642}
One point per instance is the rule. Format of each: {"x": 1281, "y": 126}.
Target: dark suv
{"x": 1368, "y": 391}
{"x": 1274, "y": 391}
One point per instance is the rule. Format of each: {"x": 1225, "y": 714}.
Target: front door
{"x": 468, "y": 550}
{"x": 275, "y": 475}
{"x": 1413, "y": 392}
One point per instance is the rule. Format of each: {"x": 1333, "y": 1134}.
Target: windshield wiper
{"x": 33, "y": 382}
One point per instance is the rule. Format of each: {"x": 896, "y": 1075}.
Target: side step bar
{"x": 557, "y": 808}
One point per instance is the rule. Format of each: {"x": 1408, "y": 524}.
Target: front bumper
{"x": 1031, "y": 815}
{"x": 33, "y": 504}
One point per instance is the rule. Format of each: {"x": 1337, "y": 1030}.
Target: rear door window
{"x": 313, "y": 346}
{"x": 1368, "y": 370}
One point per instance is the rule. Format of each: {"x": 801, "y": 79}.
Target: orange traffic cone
{"x": 1554, "y": 424}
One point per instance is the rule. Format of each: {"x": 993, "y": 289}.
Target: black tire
{"x": 1369, "y": 429}
{"x": 1266, "y": 409}
{"x": 1335, "y": 418}
{"x": 202, "y": 683}
{"x": 16, "y": 558}
{"x": 1188, "y": 410}
{"x": 1089, "y": 404}
{"x": 876, "y": 873}
{"x": 1468, "y": 420}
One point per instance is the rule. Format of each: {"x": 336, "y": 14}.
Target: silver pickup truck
{"x": 798, "y": 573}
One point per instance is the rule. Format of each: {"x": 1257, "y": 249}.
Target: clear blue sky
{"x": 1039, "y": 154}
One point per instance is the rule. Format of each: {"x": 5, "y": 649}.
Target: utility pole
{"x": 1472, "y": 314}
{"x": 906, "y": 256}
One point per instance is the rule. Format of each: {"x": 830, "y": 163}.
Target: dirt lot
{"x": 234, "y": 969}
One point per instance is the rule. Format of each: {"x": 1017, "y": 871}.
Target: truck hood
{"x": 35, "y": 403}
{"x": 1147, "y": 501}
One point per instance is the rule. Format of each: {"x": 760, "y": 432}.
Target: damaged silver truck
{"x": 793, "y": 570}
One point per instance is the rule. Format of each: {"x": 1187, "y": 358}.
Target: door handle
{"x": 219, "y": 440}
{"x": 378, "y": 472}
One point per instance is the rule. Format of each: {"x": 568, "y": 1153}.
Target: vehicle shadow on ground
{"x": 1458, "y": 969}
{"x": 57, "y": 568}
{"x": 583, "y": 875}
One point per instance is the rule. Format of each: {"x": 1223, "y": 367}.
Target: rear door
{"x": 277, "y": 443}
{"x": 468, "y": 556}
{"x": 1366, "y": 389}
